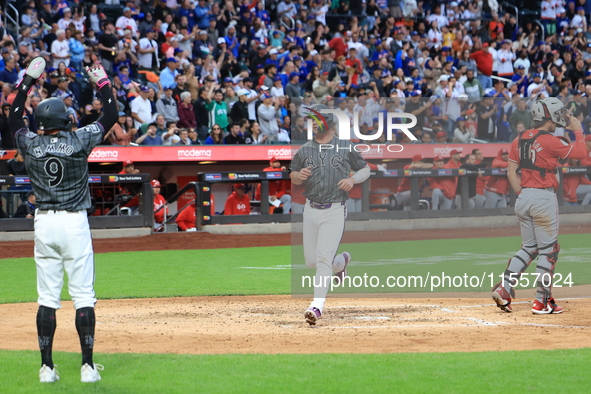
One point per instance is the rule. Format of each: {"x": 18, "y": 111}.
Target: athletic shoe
{"x": 342, "y": 274}
{"x": 539, "y": 308}
{"x": 503, "y": 303}
{"x": 312, "y": 315}
{"x": 36, "y": 68}
{"x": 48, "y": 375}
{"x": 89, "y": 374}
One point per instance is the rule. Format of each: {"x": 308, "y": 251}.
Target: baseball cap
{"x": 417, "y": 157}
{"x": 62, "y": 79}
{"x": 265, "y": 96}
{"x": 227, "y": 79}
{"x": 177, "y": 50}
{"x": 454, "y": 152}
{"x": 461, "y": 118}
{"x": 438, "y": 158}
{"x": 273, "y": 51}
{"x": 445, "y": 49}
{"x": 155, "y": 183}
{"x": 202, "y": 32}
{"x": 241, "y": 92}
{"x": 127, "y": 163}
{"x": 5, "y": 50}
{"x": 276, "y": 78}
{"x": 296, "y": 58}
{"x": 443, "y": 78}
{"x": 440, "y": 134}
{"x": 171, "y": 60}
{"x": 169, "y": 34}
{"x": 221, "y": 40}
{"x": 68, "y": 9}
{"x": 293, "y": 74}
{"x": 262, "y": 46}
{"x": 521, "y": 67}
{"x": 503, "y": 151}
{"x": 54, "y": 75}
{"x": 126, "y": 9}
{"x": 416, "y": 93}
{"x": 537, "y": 75}
{"x": 485, "y": 45}
{"x": 273, "y": 159}
{"x": 247, "y": 79}
{"x": 239, "y": 186}
{"x": 324, "y": 72}
{"x": 144, "y": 88}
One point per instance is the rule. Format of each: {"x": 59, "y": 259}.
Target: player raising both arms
{"x": 535, "y": 153}
{"x": 323, "y": 166}
{"x": 58, "y": 169}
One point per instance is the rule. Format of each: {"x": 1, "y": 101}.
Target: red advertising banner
{"x": 103, "y": 154}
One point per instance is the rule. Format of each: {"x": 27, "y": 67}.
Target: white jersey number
{"x": 55, "y": 170}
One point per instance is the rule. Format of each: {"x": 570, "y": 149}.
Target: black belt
{"x": 550, "y": 189}
{"x": 46, "y": 211}
{"x": 316, "y": 205}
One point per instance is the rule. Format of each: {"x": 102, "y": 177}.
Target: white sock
{"x": 318, "y": 303}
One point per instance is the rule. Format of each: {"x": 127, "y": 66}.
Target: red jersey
{"x": 186, "y": 219}
{"x": 449, "y": 185}
{"x": 339, "y": 45}
{"x": 547, "y": 149}
{"x": 586, "y": 162}
{"x": 237, "y": 205}
{"x": 356, "y": 64}
{"x": 498, "y": 184}
{"x": 570, "y": 184}
{"x": 158, "y": 202}
{"x": 480, "y": 183}
{"x": 276, "y": 188}
{"x": 404, "y": 184}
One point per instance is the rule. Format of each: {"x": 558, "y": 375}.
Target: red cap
{"x": 485, "y": 45}
{"x": 588, "y": 137}
{"x": 503, "y": 151}
{"x": 127, "y": 163}
{"x": 169, "y": 34}
{"x": 239, "y": 186}
{"x": 454, "y": 152}
{"x": 273, "y": 159}
{"x": 417, "y": 157}
{"x": 155, "y": 183}
{"x": 438, "y": 158}
{"x": 440, "y": 134}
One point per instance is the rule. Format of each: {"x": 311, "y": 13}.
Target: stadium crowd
{"x": 211, "y": 72}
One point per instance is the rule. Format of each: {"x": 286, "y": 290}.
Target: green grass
{"x": 561, "y": 371}
{"x": 250, "y": 271}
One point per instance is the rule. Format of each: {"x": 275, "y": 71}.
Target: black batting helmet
{"x": 52, "y": 114}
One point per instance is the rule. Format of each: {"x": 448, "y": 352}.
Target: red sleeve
{"x": 181, "y": 220}
{"x": 578, "y": 149}
{"x": 514, "y": 151}
{"x": 500, "y": 163}
{"x": 229, "y": 208}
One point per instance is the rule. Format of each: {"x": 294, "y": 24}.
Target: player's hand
{"x": 98, "y": 75}
{"x": 574, "y": 123}
{"x": 346, "y": 184}
{"x": 305, "y": 173}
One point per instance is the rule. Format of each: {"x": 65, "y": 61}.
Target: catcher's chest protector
{"x": 527, "y": 154}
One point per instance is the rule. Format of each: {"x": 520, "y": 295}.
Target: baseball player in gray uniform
{"x": 323, "y": 166}
{"x": 58, "y": 169}
{"x": 533, "y": 159}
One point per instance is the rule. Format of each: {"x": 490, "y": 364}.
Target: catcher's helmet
{"x": 550, "y": 108}
{"x": 327, "y": 121}
{"x": 52, "y": 114}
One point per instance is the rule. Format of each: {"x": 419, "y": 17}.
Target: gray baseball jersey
{"x": 58, "y": 166}
{"x": 330, "y": 163}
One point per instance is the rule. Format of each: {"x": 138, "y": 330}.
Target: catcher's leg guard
{"x": 545, "y": 269}
{"x": 515, "y": 267}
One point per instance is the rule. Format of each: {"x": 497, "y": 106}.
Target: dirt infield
{"x": 274, "y": 324}
{"x": 180, "y": 241}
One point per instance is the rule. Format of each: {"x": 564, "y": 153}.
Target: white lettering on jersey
{"x": 92, "y": 128}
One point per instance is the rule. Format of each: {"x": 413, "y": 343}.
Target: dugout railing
{"x": 204, "y": 216}
{"x": 140, "y": 216}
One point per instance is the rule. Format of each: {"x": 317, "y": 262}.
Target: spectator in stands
{"x": 239, "y": 110}
{"x": 27, "y": 208}
{"x": 148, "y": 52}
{"x": 60, "y": 49}
{"x": 487, "y": 111}
{"x": 217, "y": 108}
{"x": 216, "y": 136}
{"x": 484, "y": 62}
{"x": 497, "y": 187}
{"x": 167, "y": 106}
{"x": 150, "y": 137}
{"x": 186, "y": 113}
{"x": 238, "y": 203}
{"x": 10, "y": 72}
{"x": 168, "y": 75}
{"x": 121, "y": 135}
{"x": 267, "y": 115}
{"x": 234, "y": 137}
{"x": 141, "y": 108}
{"x": 184, "y": 138}
{"x": 462, "y": 134}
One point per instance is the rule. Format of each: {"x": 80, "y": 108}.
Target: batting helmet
{"x": 550, "y": 108}
{"x": 327, "y": 121}
{"x": 52, "y": 114}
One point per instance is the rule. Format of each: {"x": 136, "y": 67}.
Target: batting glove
{"x": 32, "y": 74}
{"x": 98, "y": 75}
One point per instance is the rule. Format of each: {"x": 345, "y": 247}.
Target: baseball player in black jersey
{"x": 58, "y": 169}
{"x": 323, "y": 166}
